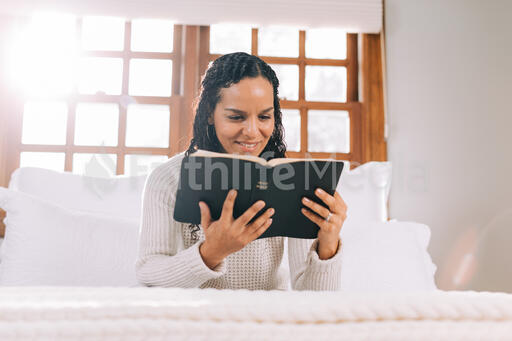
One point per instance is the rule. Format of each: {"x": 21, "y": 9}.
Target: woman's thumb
{"x": 205, "y": 215}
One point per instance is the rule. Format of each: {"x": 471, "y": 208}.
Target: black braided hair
{"x": 225, "y": 71}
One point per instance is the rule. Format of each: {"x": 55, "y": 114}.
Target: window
{"x": 318, "y": 74}
{"x": 94, "y": 87}
{"x": 90, "y": 111}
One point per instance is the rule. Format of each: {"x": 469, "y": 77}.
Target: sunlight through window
{"x": 96, "y": 124}
{"x": 278, "y": 41}
{"x": 150, "y": 77}
{"x": 42, "y": 58}
{"x": 152, "y": 35}
{"x": 53, "y": 161}
{"x": 101, "y": 75}
{"x": 103, "y": 33}
{"x": 44, "y": 123}
{"x": 326, "y": 44}
{"x": 227, "y": 38}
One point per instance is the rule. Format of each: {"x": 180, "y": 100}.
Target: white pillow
{"x": 118, "y": 196}
{"x": 386, "y": 256}
{"x": 365, "y": 190}
{"x": 383, "y": 257}
{"x": 49, "y": 245}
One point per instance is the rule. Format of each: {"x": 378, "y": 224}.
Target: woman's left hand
{"x": 330, "y": 219}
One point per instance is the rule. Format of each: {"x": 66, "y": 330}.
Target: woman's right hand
{"x": 228, "y": 235}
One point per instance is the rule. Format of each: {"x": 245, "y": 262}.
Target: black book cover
{"x": 280, "y": 183}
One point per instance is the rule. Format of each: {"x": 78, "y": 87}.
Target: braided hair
{"x": 224, "y": 72}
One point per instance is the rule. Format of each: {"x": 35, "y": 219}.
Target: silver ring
{"x": 328, "y": 217}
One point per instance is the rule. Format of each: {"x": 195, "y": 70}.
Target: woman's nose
{"x": 251, "y": 127}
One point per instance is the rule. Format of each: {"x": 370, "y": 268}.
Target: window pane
{"x": 326, "y": 44}
{"x": 42, "y": 56}
{"x": 288, "y": 76}
{"x": 142, "y": 164}
{"x": 96, "y": 124}
{"x": 103, "y": 33}
{"x": 229, "y": 38}
{"x": 95, "y": 165}
{"x": 152, "y": 35}
{"x": 150, "y": 77}
{"x": 99, "y": 75}
{"x": 291, "y": 123}
{"x": 147, "y": 125}
{"x": 278, "y": 42}
{"x": 44, "y": 123}
{"x": 316, "y": 79}
{"x": 54, "y": 161}
{"x": 328, "y": 131}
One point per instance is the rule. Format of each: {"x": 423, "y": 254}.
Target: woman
{"x": 238, "y": 112}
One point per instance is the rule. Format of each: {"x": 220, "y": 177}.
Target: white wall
{"x": 449, "y": 83}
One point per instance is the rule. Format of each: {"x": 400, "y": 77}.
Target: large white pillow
{"x": 118, "y": 196}
{"x": 386, "y": 256}
{"x": 365, "y": 190}
{"x": 49, "y": 245}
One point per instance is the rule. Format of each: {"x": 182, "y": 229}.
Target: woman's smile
{"x": 248, "y": 146}
{"x": 244, "y": 116}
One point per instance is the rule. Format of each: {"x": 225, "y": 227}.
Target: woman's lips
{"x": 247, "y": 147}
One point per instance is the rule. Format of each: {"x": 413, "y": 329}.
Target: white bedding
{"x": 70, "y": 313}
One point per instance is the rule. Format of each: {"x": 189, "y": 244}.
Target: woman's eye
{"x": 235, "y": 118}
{"x": 265, "y": 117}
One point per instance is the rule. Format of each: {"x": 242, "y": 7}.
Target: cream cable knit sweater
{"x": 169, "y": 251}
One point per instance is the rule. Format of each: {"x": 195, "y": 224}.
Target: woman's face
{"x": 244, "y": 116}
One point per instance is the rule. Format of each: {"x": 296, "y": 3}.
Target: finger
{"x": 245, "y": 218}
{"x": 327, "y": 199}
{"x": 229, "y": 203}
{"x": 261, "y": 219}
{"x": 314, "y": 218}
{"x": 340, "y": 200}
{"x": 319, "y": 209}
{"x": 206, "y": 218}
{"x": 258, "y": 232}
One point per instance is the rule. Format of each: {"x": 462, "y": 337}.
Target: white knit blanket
{"x": 67, "y": 313}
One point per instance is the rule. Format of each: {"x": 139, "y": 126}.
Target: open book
{"x": 280, "y": 183}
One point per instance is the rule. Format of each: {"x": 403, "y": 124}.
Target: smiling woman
{"x": 239, "y": 109}
{"x": 244, "y": 118}
{"x": 238, "y": 112}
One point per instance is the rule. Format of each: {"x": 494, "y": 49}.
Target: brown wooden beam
{"x": 191, "y": 80}
{"x": 286, "y": 104}
{"x": 290, "y": 60}
{"x": 352, "y": 69}
{"x": 204, "y": 49}
{"x": 254, "y": 41}
{"x": 176, "y": 64}
{"x": 373, "y": 117}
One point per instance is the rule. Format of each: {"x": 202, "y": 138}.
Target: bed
{"x": 71, "y": 313}
{"x": 67, "y": 272}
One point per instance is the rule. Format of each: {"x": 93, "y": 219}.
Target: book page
{"x": 201, "y": 152}
{"x": 259, "y": 160}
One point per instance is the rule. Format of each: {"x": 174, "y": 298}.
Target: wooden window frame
{"x": 121, "y": 150}
{"x": 366, "y": 112}
{"x": 365, "y": 100}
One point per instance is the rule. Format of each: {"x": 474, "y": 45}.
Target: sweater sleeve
{"x": 162, "y": 259}
{"x": 308, "y": 271}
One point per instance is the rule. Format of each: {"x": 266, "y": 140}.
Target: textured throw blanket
{"x": 70, "y": 313}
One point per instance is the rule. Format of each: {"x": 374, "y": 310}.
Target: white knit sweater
{"x": 169, "y": 254}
